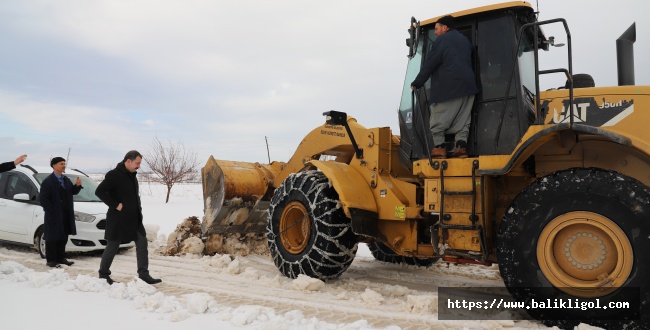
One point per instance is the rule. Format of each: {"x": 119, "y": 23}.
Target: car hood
{"x": 91, "y": 207}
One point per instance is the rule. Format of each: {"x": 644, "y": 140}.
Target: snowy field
{"x": 220, "y": 292}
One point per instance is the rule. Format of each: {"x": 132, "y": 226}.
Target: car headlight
{"x": 83, "y": 217}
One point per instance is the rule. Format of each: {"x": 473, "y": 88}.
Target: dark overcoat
{"x": 8, "y": 166}
{"x": 52, "y": 203}
{"x": 121, "y": 186}
{"x": 450, "y": 67}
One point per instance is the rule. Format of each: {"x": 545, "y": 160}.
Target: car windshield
{"x": 87, "y": 194}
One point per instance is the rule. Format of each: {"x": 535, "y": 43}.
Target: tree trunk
{"x": 169, "y": 189}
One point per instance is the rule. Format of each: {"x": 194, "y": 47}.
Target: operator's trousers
{"x": 141, "y": 254}
{"x": 451, "y": 117}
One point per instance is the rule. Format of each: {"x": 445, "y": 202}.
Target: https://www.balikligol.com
{"x": 557, "y": 303}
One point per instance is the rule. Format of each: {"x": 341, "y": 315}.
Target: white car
{"x": 21, "y": 215}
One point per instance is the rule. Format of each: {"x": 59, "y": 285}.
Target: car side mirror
{"x": 21, "y": 197}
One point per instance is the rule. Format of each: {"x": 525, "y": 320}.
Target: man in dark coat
{"x": 453, "y": 86}
{"x": 8, "y": 166}
{"x": 56, "y": 199}
{"x": 120, "y": 191}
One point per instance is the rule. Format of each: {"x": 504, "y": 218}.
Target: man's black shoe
{"x": 150, "y": 280}
{"x": 52, "y": 264}
{"x": 108, "y": 279}
{"x": 66, "y": 262}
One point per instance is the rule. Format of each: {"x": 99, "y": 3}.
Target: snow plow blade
{"x": 236, "y": 197}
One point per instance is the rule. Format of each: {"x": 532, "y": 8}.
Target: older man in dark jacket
{"x": 120, "y": 191}
{"x": 56, "y": 199}
{"x": 453, "y": 87}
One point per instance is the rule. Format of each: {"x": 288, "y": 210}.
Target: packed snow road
{"x": 385, "y": 295}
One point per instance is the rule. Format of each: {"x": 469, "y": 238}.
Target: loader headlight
{"x": 83, "y": 217}
{"x": 336, "y": 117}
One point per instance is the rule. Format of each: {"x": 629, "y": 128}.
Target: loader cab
{"x": 504, "y": 107}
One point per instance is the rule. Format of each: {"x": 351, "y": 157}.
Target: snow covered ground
{"x": 220, "y": 292}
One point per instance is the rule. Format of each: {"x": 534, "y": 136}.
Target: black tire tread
{"x": 333, "y": 245}
{"x": 622, "y": 199}
{"x": 383, "y": 253}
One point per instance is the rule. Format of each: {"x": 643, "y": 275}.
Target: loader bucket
{"x": 236, "y": 197}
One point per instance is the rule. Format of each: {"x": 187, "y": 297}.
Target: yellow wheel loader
{"x": 555, "y": 189}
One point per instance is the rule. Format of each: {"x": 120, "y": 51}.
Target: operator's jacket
{"x": 121, "y": 186}
{"x": 54, "y": 199}
{"x": 449, "y": 64}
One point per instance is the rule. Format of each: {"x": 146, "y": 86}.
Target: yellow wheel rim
{"x": 294, "y": 227}
{"x": 584, "y": 254}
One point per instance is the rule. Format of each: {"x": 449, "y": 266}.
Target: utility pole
{"x": 267, "y": 149}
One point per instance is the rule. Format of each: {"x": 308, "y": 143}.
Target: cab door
{"x": 18, "y": 218}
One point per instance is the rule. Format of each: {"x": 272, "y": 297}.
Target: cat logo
{"x": 588, "y": 112}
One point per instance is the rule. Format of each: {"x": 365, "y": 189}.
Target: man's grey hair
{"x": 132, "y": 155}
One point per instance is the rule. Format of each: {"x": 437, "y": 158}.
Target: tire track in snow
{"x": 337, "y": 302}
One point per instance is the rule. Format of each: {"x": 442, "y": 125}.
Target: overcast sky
{"x": 97, "y": 78}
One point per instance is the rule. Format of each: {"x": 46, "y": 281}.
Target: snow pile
{"x": 306, "y": 283}
{"x": 217, "y": 261}
{"x": 265, "y": 318}
{"x": 148, "y": 299}
{"x": 152, "y": 231}
{"x": 14, "y": 271}
{"x": 371, "y": 297}
{"x": 224, "y": 263}
{"x": 421, "y": 304}
{"x": 237, "y": 244}
{"x": 186, "y": 238}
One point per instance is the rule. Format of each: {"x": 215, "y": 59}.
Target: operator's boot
{"x": 460, "y": 151}
{"x": 439, "y": 152}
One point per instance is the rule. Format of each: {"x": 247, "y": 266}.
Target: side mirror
{"x": 414, "y": 34}
{"x": 551, "y": 41}
{"x": 21, "y": 197}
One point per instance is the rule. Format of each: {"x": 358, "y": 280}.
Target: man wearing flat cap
{"x": 56, "y": 199}
{"x": 453, "y": 86}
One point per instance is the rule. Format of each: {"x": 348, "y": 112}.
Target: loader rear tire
{"x": 579, "y": 233}
{"x": 308, "y": 232}
{"x": 383, "y": 253}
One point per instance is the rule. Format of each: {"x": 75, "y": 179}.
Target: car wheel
{"x": 579, "y": 233}
{"x": 39, "y": 242}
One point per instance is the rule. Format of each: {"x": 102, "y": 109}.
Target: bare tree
{"x": 171, "y": 163}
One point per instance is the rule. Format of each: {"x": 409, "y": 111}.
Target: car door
{"x": 18, "y": 217}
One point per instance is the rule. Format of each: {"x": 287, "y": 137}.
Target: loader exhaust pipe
{"x": 625, "y": 56}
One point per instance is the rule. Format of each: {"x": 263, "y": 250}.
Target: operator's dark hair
{"x": 447, "y": 20}
{"x": 132, "y": 155}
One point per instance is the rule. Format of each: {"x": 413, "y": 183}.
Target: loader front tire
{"x": 308, "y": 232}
{"x": 579, "y": 234}
{"x": 383, "y": 253}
